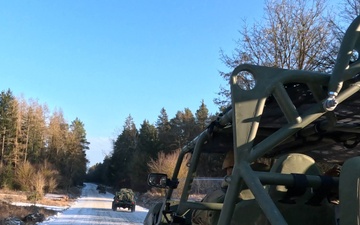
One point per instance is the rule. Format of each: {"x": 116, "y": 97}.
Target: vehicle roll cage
{"x": 328, "y": 91}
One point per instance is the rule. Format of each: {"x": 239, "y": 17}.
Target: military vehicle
{"x": 302, "y": 120}
{"x": 125, "y": 198}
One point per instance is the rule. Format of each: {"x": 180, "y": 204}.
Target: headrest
{"x": 294, "y": 163}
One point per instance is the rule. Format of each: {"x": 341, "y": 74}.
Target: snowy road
{"x": 93, "y": 208}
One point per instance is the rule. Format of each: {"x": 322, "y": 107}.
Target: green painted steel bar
{"x": 176, "y": 173}
{"x": 349, "y": 43}
{"x": 247, "y": 110}
{"x": 179, "y": 162}
{"x": 286, "y": 105}
{"x": 345, "y": 94}
{"x": 352, "y": 70}
{"x": 226, "y": 118}
{"x": 269, "y": 178}
{"x": 261, "y": 196}
{"x": 203, "y": 205}
{"x": 174, "y": 177}
{"x": 231, "y": 196}
{"x": 286, "y": 131}
{"x": 191, "y": 172}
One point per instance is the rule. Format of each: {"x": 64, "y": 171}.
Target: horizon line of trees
{"x": 135, "y": 149}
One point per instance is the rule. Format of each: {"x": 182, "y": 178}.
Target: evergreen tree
{"x": 148, "y": 140}
{"x": 76, "y": 153}
{"x": 189, "y": 126}
{"x": 176, "y": 131}
{"x": 105, "y": 172}
{"x": 51, "y": 147}
{"x": 163, "y": 127}
{"x": 124, "y": 148}
{"x": 147, "y": 147}
{"x": 7, "y": 125}
{"x": 183, "y": 128}
{"x": 202, "y": 118}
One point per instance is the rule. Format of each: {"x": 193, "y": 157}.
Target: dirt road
{"x": 93, "y": 208}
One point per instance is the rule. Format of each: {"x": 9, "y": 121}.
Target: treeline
{"x": 39, "y": 151}
{"x": 134, "y": 149}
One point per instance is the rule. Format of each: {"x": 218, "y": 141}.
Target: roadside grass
{"x": 7, "y": 209}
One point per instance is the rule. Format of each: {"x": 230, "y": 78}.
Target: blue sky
{"x": 101, "y": 61}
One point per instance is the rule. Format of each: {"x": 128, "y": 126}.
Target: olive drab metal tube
{"x": 189, "y": 178}
{"x": 350, "y": 42}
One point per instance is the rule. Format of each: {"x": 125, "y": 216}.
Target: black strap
{"x": 298, "y": 189}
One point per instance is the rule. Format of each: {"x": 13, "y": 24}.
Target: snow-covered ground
{"x": 93, "y": 208}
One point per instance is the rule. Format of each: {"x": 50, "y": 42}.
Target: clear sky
{"x": 103, "y": 60}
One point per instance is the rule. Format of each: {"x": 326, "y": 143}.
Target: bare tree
{"x": 351, "y": 9}
{"x": 294, "y": 34}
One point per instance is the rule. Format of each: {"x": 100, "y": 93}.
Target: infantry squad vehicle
{"x": 125, "y": 198}
{"x": 306, "y": 125}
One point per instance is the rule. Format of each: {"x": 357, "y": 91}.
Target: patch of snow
{"x": 55, "y": 208}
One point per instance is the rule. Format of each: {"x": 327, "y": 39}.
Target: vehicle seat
{"x": 294, "y": 163}
{"x": 296, "y": 209}
{"x": 295, "y": 212}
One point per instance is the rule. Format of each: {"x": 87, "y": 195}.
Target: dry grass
{"x": 13, "y": 196}
{"x": 149, "y": 199}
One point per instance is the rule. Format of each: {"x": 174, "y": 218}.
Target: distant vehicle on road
{"x": 125, "y": 198}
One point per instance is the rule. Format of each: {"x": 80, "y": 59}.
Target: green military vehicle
{"x": 125, "y": 198}
{"x": 304, "y": 124}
